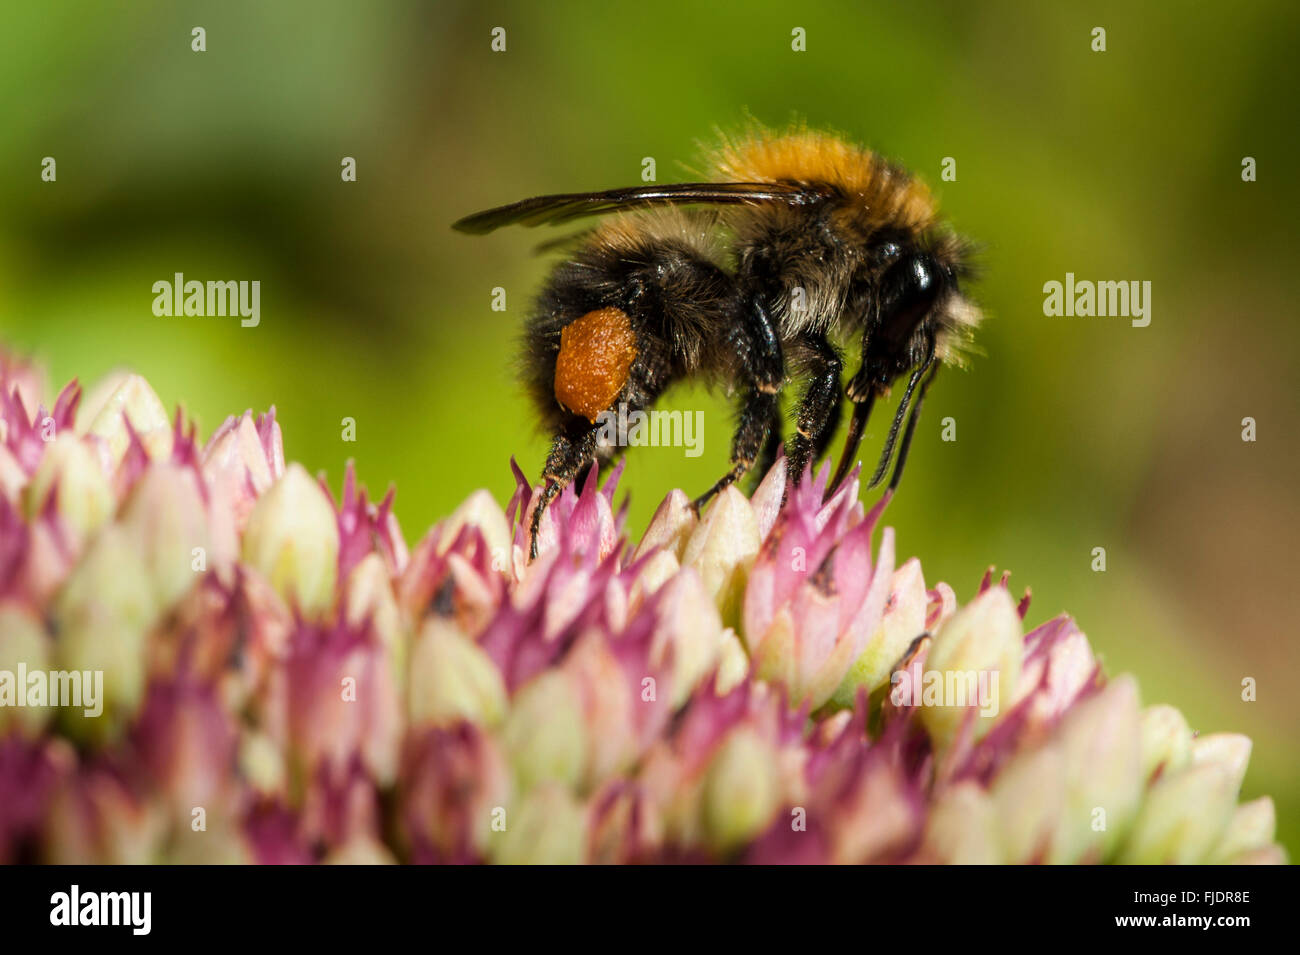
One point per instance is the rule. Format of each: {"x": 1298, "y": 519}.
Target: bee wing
{"x": 546, "y": 210}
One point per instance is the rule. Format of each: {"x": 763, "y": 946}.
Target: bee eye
{"x": 908, "y": 290}
{"x": 921, "y": 277}
{"x": 888, "y": 252}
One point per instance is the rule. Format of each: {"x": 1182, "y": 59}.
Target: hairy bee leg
{"x": 911, "y": 426}
{"x": 928, "y": 364}
{"x": 751, "y": 431}
{"x": 763, "y": 358}
{"x": 852, "y": 440}
{"x": 819, "y": 409}
{"x": 549, "y": 493}
{"x": 571, "y": 451}
{"x": 833, "y": 418}
{"x": 771, "y": 446}
{"x": 887, "y": 451}
{"x": 758, "y": 353}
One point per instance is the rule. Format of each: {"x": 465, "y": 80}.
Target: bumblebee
{"x": 800, "y": 245}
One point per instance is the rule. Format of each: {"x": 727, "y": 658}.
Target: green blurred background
{"x": 1072, "y": 433}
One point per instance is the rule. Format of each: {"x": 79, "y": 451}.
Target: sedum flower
{"x": 241, "y": 460}
{"x": 187, "y": 740}
{"x": 721, "y": 549}
{"x": 31, "y": 772}
{"x": 69, "y": 480}
{"x": 25, "y": 434}
{"x": 24, "y": 644}
{"x": 102, "y": 616}
{"x": 1102, "y": 755}
{"x": 742, "y": 790}
{"x": 814, "y": 597}
{"x": 547, "y": 735}
{"x": 336, "y": 705}
{"x": 1166, "y": 740}
{"x": 452, "y": 679}
{"x": 452, "y": 791}
{"x": 1248, "y": 835}
{"x": 903, "y": 618}
{"x": 122, "y": 410}
{"x": 101, "y": 813}
{"x": 979, "y": 647}
{"x": 292, "y": 539}
{"x": 284, "y": 682}
{"x": 549, "y": 827}
{"x": 166, "y": 519}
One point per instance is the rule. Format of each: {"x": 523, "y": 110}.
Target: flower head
{"x": 763, "y": 682}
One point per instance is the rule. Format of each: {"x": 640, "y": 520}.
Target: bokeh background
{"x": 1071, "y": 433}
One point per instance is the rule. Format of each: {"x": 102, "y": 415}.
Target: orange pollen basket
{"x": 596, "y": 352}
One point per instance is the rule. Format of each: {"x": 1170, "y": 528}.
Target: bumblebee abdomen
{"x": 636, "y": 305}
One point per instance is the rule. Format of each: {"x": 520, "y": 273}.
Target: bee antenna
{"x": 888, "y": 451}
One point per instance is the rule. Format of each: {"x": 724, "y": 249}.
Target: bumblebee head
{"x": 916, "y": 310}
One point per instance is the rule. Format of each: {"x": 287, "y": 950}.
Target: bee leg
{"x": 861, "y": 413}
{"x": 571, "y": 451}
{"x": 819, "y": 410}
{"x": 772, "y": 446}
{"x": 911, "y": 426}
{"x": 549, "y": 493}
{"x": 755, "y": 419}
{"x": 888, "y": 450}
{"x": 833, "y": 418}
{"x": 758, "y": 352}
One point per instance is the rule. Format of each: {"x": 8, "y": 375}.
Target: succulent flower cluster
{"x": 283, "y": 681}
